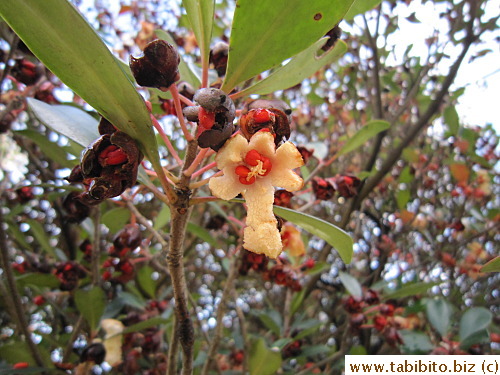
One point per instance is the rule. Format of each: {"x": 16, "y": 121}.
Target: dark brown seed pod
{"x": 159, "y": 67}
{"x": 105, "y": 127}
{"x": 334, "y": 35}
{"x": 218, "y": 57}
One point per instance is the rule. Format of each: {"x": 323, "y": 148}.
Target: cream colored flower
{"x": 253, "y": 168}
{"x": 113, "y": 340}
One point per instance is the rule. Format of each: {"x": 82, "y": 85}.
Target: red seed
{"x": 112, "y": 155}
{"x": 252, "y": 158}
{"x": 244, "y": 180}
{"x": 20, "y": 365}
{"x": 242, "y": 171}
{"x": 206, "y": 119}
{"x": 262, "y": 115}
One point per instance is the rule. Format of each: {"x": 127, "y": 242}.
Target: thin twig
{"x": 221, "y": 309}
{"x": 20, "y": 317}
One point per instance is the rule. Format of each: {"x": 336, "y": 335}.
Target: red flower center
{"x": 257, "y": 165}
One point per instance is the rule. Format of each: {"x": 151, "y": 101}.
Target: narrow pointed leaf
{"x": 492, "y": 266}
{"x": 367, "y": 132}
{"x": 62, "y": 39}
{"x": 91, "y": 305}
{"x": 359, "y": 7}
{"x": 333, "y": 235}
{"x": 439, "y": 314}
{"x": 74, "y": 124}
{"x": 300, "y": 67}
{"x": 201, "y": 15}
{"x": 351, "y": 284}
{"x": 67, "y": 120}
{"x": 265, "y": 33}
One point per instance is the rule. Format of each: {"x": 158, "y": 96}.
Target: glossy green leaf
{"x": 163, "y": 217}
{"x": 297, "y": 300}
{"x": 319, "y": 267}
{"x": 492, "y": 266}
{"x": 367, "y": 132}
{"x": 67, "y": 120}
{"x": 451, "y": 119}
{"x": 201, "y": 16}
{"x": 185, "y": 71}
{"x": 201, "y": 233}
{"x": 91, "y": 304}
{"x": 351, "y": 284}
{"x": 271, "y": 319}
{"x": 333, "y": 235}
{"x": 415, "y": 342}
{"x": 146, "y": 281}
{"x": 74, "y": 52}
{"x": 263, "y": 361}
{"x": 116, "y": 218}
{"x": 153, "y": 322}
{"x": 439, "y": 314}
{"x": 265, "y": 33}
{"x": 39, "y": 280}
{"x": 402, "y": 198}
{"x": 49, "y": 149}
{"x": 300, "y": 67}
{"x": 473, "y": 322}
{"x": 73, "y": 123}
{"x": 410, "y": 290}
{"x": 360, "y": 6}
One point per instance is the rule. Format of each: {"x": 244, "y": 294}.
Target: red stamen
{"x": 252, "y": 157}
{"x": 250, "y": 181}
{"x": 242, "y": 171}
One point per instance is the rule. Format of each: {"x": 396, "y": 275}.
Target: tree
{"x": 174, "y": 271}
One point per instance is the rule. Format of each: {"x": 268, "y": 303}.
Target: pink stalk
{"x": 205, "y": 152}
{"x": 178, "y": 110}
{"x": 166, "y": 140}
{"x": 204, "y": 169}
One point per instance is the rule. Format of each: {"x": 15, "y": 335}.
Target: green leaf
{"x": 473, "y": 322}
{"x": 492, "y": 266}
{"x": 358, "y": 350}
{"x": 163, "y": 217}
{"x": 265, "y": 33}
{"x": 263, "y": 361}
{"x": 131, "y": 300}
{"x": 201, "y": 233}
{"x": 415, "y": 342}
{"x": 67, "y": 120}
{"x": 297, "y": 300}
{"x": 360, "y": 6}
{"x": 271, "y": 319}
{"x": 38, "y": 280}
{"x": 74, "y": 52}
{"x": 91, "y": 304}
{"x": 41, "y": 236}
{"x": 185, "y": 71}
{"x": 28, "y": 370}
{"x": 201, "y": 15}
{"x": 411, "y": 290}
{"x": 116, "y": 218}
{"x": 367, "y": 132}
{"x": 73, "y": 123}
{"x": 49, "y": 149}
{"x": 300, "y": 67}
{"x": 146, "y": 281}
{"x": 451, "y": 119}
{"x": 153, "y": 322}
{"x": 333, "y": 235}
{"x": 351, "y": 284}
{"x": 319, "y": 267}
{"x": 403, "y": 197}
{"x": 439, "y": 313}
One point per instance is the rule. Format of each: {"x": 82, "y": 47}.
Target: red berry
{"x": 39, "y": 300}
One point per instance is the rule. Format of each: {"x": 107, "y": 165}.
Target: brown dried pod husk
{"x": 218, "y": 57}
{"x": 159, "y": 67}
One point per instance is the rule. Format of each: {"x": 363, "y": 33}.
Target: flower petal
{"x": 288, "y": 157}
{"x": 263, "y": 142}
{"x": 286, "y": 179}
{"x": 264, "y": 239}
{"x": 232, "y": 152}
{"x": 225, "y": 187}
{"x": 259, "y": 199}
